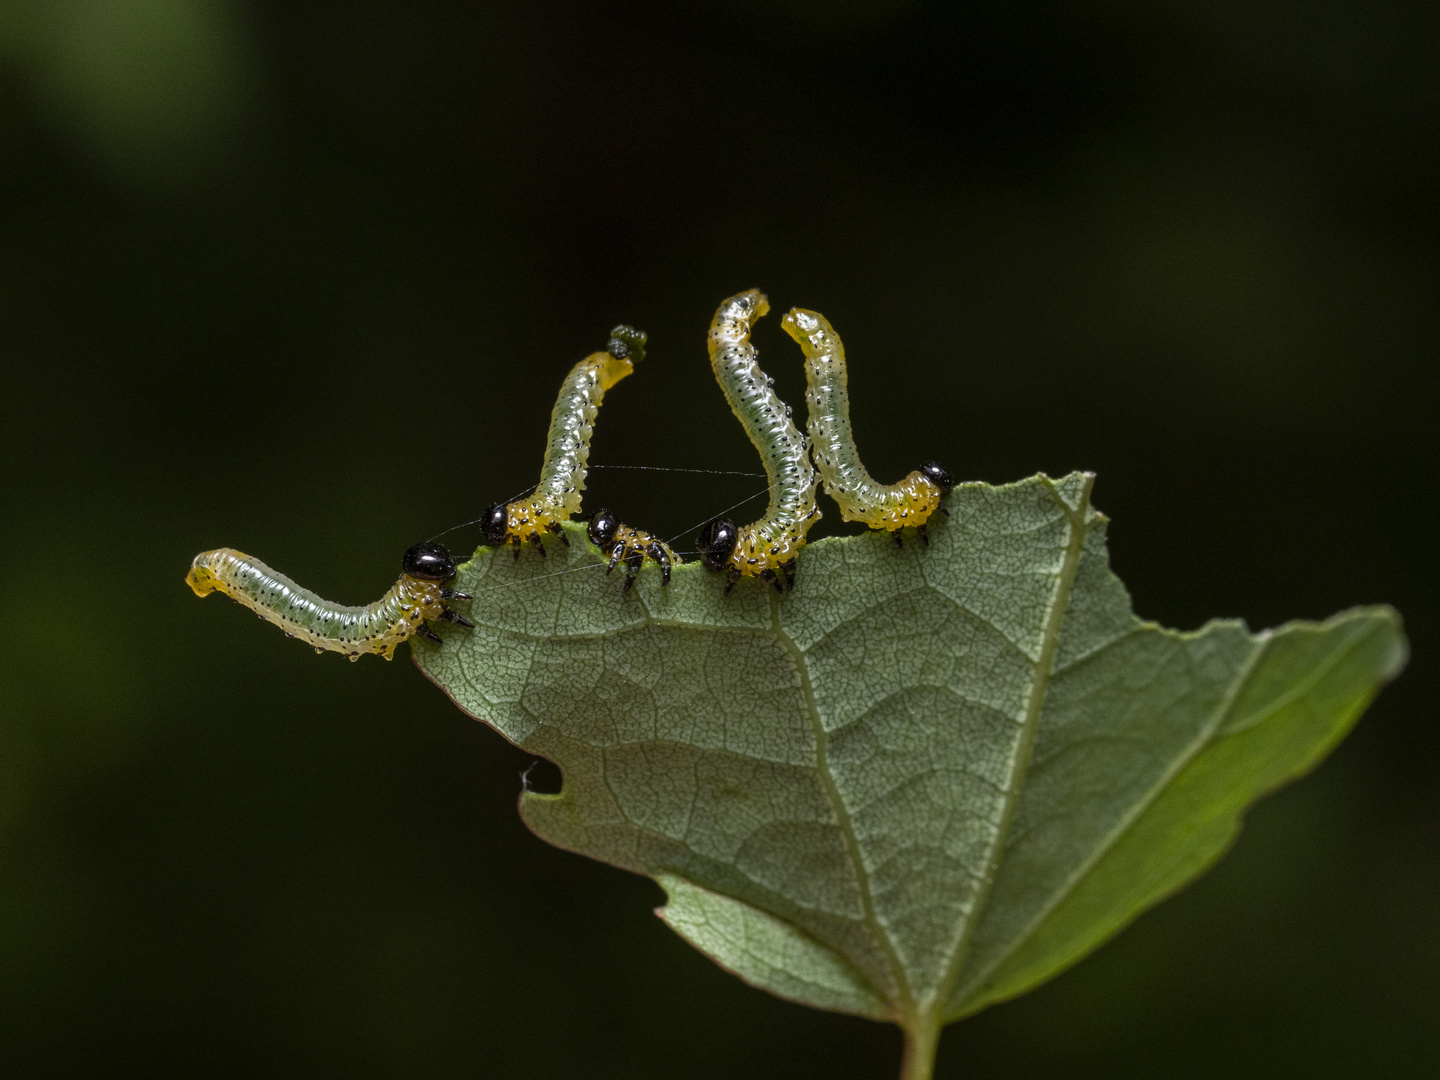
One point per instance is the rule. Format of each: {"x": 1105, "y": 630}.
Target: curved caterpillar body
{"x": 770, "y": 544}
{"x": 562, "y": 476}
{"x": 891, "y": 507}
{"x": 634, "y": 546}
{"x": 376, "y": 628}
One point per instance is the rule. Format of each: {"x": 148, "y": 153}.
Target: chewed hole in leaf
{"x": 541, "y": 777}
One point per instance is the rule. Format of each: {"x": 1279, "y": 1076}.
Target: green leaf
{"x": 926, "y": 780}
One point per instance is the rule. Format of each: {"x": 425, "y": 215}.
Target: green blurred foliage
{"x": 152, "y": 91}
{"x": 302, "y": 279}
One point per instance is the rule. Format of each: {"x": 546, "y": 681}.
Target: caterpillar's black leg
{"x": 730, "y": 582}
{"x": 515, "y": 545}
{"x": 457, "y": 619}
{"x": 632, "y": 567}
{"x": 924, "y": 537}
{"x": 899, "y": 541}
{"x": 536, "y": 544}
{"x": 451, "y": 594}
{"x": 656, "y": 552}
{"x": 789, "y": 568}
{"x": 769, "y": 575}
{"x": 427, "y": 634}
{"x": 555, "y": 528}
{"x": 615, "y": 554}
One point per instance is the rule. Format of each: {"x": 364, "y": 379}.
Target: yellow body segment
{"x": 562, "y": 475}
{"x": 773, "y": 541}
{"x": 638, "y": 545}
{"x": 327, "y": 627}
{"x": 860, "y": 497}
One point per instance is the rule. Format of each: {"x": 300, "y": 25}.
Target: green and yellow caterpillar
{"x": 770, "y": 544}
{"x": 418, "y": 596}
{"x": 910, "y": 501}
{"x": 633, "y": 546}
{"x": 562, "y": 475}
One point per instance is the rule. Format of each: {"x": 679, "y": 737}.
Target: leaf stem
{"x": 922, "y": 1037}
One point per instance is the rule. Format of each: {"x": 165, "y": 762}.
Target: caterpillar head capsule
{"x": 716, "y": 542}
{"x": 938, "y": 475}
{"x": 603, "y": 528}
{"x": 496, "y": 523}
{"x": 429, "y": 562}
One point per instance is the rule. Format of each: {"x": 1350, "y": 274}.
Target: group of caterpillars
{"x": 766, "y": 548}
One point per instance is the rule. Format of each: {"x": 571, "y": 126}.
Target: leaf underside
{"x": 926, "y": 780}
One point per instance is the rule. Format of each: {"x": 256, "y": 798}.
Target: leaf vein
{"x": 1203, "y": 739}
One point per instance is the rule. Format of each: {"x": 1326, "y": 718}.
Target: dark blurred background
{"x": 303, "y": 279}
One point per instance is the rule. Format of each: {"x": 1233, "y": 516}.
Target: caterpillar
{"x": 634, "y": 546}
{"x": 770, "y": 544}
{"x": 891, "y": 507}
{"x": 376, "y": 628}
{"x": 562, "y": 475}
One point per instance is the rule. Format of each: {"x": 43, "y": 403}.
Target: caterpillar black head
{"x": 603, "y": 528}
{"x": 716, "y": 542}
{"x": 429, "y": 562}
{"x": 938, "y": 475}
{"x": 627, "y": 341}
{"x": 496, "y": 523}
